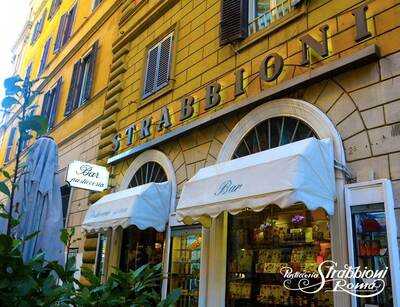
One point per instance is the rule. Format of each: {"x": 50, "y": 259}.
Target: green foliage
{"x": 11, "y": 85}
{"x": 8, "y": 102}
{"x": 42, "y": 283}
{"x": 134, "y": 288}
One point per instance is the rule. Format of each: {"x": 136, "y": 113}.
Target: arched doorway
{"x": 269, "y": 125}
{"x": 149, "y": 166}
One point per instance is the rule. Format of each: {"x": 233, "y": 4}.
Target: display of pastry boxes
{"x": 275, "y": 292}
{"x": 238, "y": 290}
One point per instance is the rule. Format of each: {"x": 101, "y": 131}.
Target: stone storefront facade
{"x": 350, "y": 94}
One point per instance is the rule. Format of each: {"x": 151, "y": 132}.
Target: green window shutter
{"x": 234, "y": 21}
{"x": 60, "y": 33}
{"x": 90, "y": 75}
{"x": 164, "y": 62}
{"x": 151, "y": 71}
{"x": 54, "y": 103}
{"x": 72, "y": 89}
{"x": 45, "y": 54}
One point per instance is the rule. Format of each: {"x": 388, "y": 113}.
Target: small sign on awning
{"x": 87, "y": 176}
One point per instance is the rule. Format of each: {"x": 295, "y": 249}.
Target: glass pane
{"x": 371, "y": 248}
{"x": 185, "y": 264}
{"x": 140, "y": 247}
{"x": 101, "y": 255}
{"x": 261, "y": 243}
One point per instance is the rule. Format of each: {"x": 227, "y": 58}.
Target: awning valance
{"x": 300, "y": 172}
{"x": 144, "y": 206}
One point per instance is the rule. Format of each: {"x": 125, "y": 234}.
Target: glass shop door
{"x": 372, "y": 242}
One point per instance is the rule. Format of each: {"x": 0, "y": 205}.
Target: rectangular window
{"x": 65, "y": 29}
{"x": 158, "y": 66}
{"x": 50, "y": 104}
{"x": 101, "y": 255}
{"x": 10, "y": 144}
{"x": 262, "y": 13}
{"x": 82, "y": 81}
{"x": 96, "y": 3}
{"x": 184, "y": 266}
{"x": 38, "y": 28}
{"x": 262, "y": 243}
{"x": 28, "y": 71}
{"x": 45, "y": 54}
{"x": 54, "y": 7}
{"x": 65, "y": 195}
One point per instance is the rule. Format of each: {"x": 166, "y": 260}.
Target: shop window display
{"x": 101, "y": 254}
{"x": 185, "y": 264}
{"x": 371, "y": 248}
{"x": 261, "y": 243}
{"x": 140, "y": 247}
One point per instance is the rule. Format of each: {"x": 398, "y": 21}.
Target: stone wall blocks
{"x": 197, "y": 153}
{"x": 385, "y": 139}
{"x": 352, "y": 125}
{"x": 377, "y": 94}
{"x": 360, "y": 77}
{"x": 369, "y": 169}
{"x": 392, "y": 112}
{"x": 394, "y": 162}
{"x": 390, "y": 66}
{"x": 373, "y": 117}
{"x": 343, "y": 107}
{"x": 357, "y": 147}
{"x": 312, "y": 92}
{"x": 329, "y": 96}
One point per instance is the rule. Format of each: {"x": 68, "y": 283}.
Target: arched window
{"x": 148, "y": 172}
{"x": 271, "y": 133}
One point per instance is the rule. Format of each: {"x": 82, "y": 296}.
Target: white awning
{"x": 144, "y": 206}
{"x": 300, "y": 172}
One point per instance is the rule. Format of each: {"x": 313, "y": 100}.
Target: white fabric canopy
{"x": 302, "y": 171}
{"x": 144, "y": 206}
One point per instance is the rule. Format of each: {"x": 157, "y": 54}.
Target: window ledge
{"x": 275, "y": 26}
{"x": 161, "y": 92}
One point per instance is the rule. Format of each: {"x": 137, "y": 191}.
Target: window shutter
{"x": 151, "y": 70}
{"x": 72, "y": 89}
{"x": 41, "y": 22}
{"x": 68, "y": 26}
{"x": 10, "y": 144}
{"x": 297, "y": 2}
{"x": 92, "y": 65}
{"x": 45, "y": 105}
{"x": 45, "y": 54}
{"x": 164, "y": 62}
{"x": 60, "y": 32}
{"x": 234, "y": 21}
{"x": 54, "y": 103}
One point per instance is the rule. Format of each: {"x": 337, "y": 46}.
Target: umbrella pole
{"x": 26, "y": 94}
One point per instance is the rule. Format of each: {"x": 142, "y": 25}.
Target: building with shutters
{"x": 66, "y": 46}
{"x": 269, "y": 132}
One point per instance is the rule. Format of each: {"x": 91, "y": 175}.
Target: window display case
{"x": 261, "y": 243}
{"x": 185, "y": 264}
{"x": 372, "y": 232}
{"x": 140, "y": 247}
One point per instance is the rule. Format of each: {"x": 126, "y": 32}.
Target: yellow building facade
{"x": 195, "y": 87}
{"x": 184, "y": 85}
{"x": 76, "y": 27}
